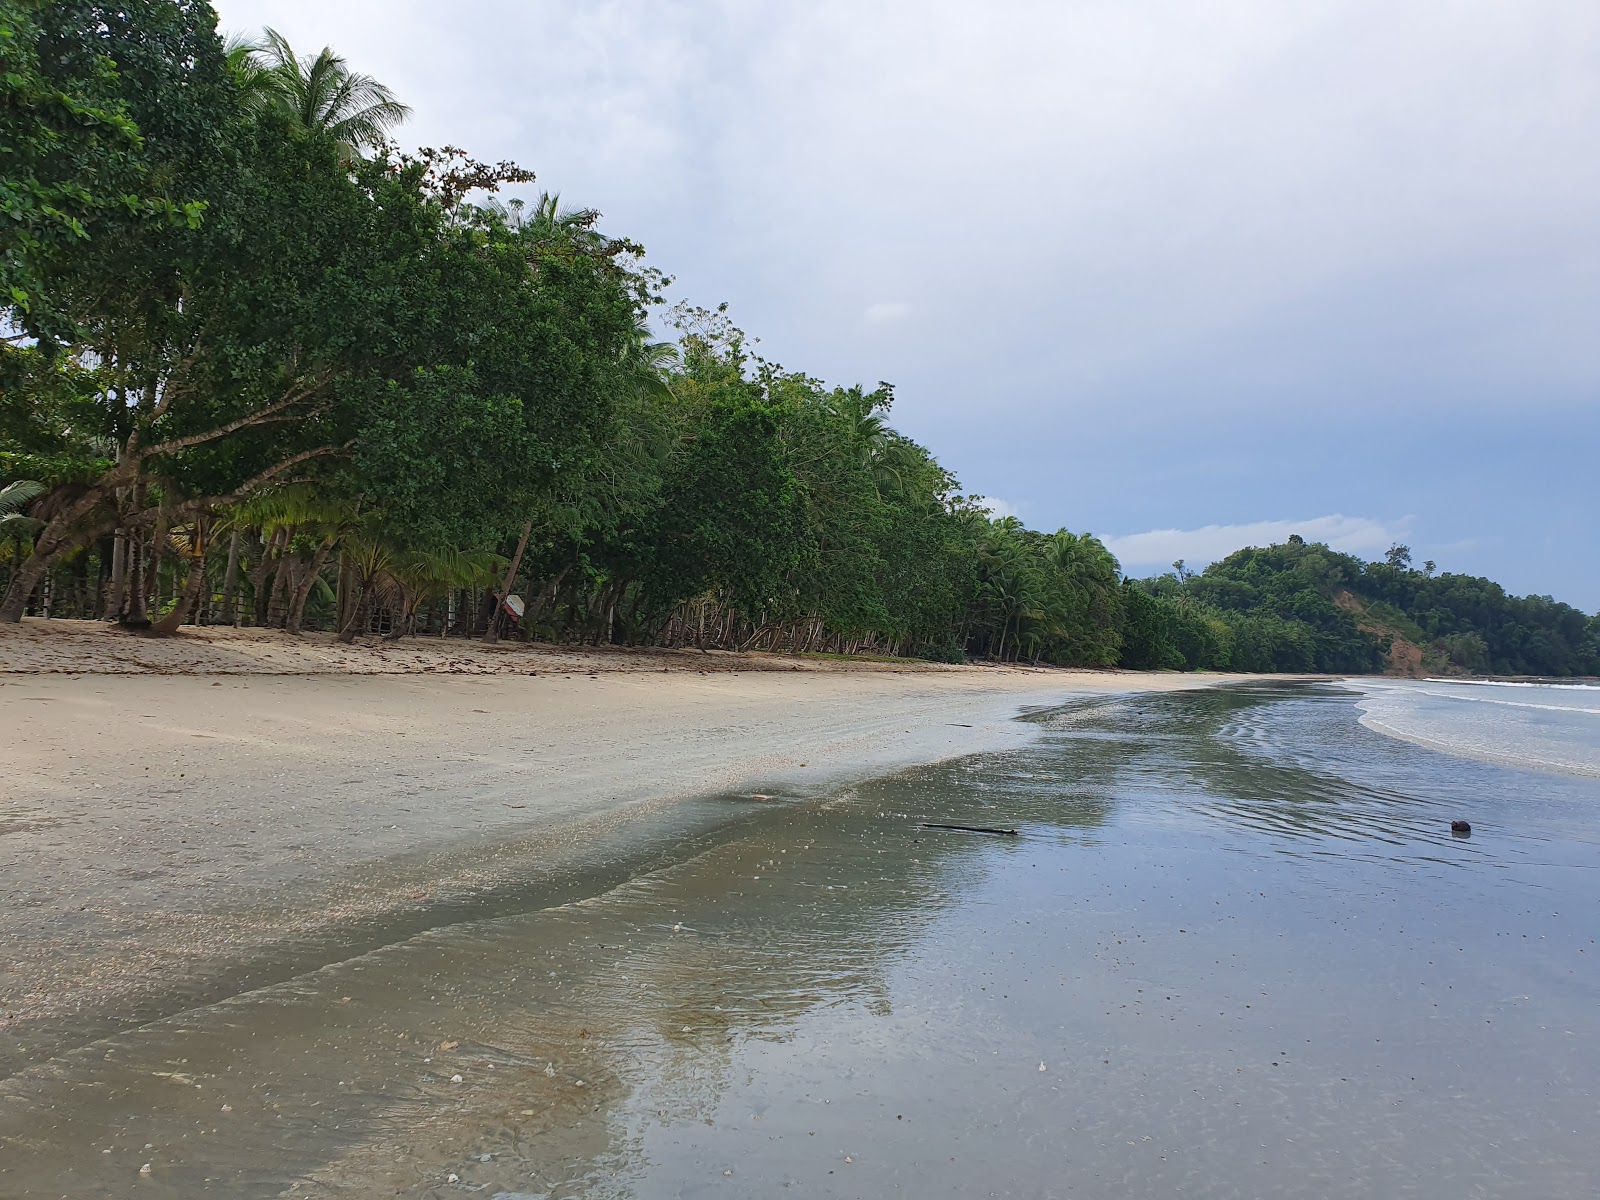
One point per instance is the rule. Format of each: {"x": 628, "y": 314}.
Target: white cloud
{"x": 1000, "y": 508}
{"x": 1354, "y": 535}
{"x": 886, "y": 312}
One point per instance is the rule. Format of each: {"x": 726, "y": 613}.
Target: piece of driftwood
{"x": 970, "y": 828}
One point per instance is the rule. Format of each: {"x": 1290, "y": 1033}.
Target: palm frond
{"x": 16, "y": 526}
{"x": 324, "y": 94}
{"x": 14, "y": 497}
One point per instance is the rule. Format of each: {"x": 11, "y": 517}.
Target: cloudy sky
{"x": 1189, "y": 274}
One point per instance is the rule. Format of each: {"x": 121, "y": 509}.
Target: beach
{"x": 190, "y": 817}
{"x": 1234, "y": 946}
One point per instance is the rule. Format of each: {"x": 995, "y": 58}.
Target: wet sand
{"x": 1235, "y": 950}
{"x": 170, "y": 839}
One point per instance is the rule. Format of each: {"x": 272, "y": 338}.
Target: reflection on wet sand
{"x": 1164, "y": 987}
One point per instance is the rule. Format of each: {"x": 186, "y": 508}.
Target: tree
{"x": 322, "y": 94}
{"x": 83, "y": 89}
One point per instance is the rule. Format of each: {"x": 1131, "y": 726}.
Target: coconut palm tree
{"x": 548, "y": 224}
{"x": 15, "y": 525}
{"x": 15, "y": 497}
{"x": 413, "y": 576}
{"x": 322, "y": 93}
{"x": 650, "y": 363}
{"x": 249, "y": 69}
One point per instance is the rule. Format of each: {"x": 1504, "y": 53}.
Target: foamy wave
{"x": 1501, "y": 755}
{"x": 1514, "y": 683}
{"x": 1546, "y": 729}
{"x": 1565, "y": 708}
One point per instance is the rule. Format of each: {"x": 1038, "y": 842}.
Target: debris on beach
{"x": 970, "y": 828}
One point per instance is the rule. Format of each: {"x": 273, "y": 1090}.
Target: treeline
{"x": 1301, "y": 606}
{"x": 260, "y": 368}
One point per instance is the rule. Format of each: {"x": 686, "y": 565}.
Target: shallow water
{"x": 1526, "y": 724}
{"x": 1235, "y": 951}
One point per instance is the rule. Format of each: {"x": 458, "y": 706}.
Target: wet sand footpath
{"x": 170, "y": 838}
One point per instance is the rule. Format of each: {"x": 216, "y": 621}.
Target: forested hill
{"x": 1301, "y": 606}
{"x": 258, "y": 367}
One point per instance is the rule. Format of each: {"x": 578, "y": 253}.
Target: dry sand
{"x": 185, "y": 818}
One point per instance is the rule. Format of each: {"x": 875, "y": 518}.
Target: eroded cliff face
{"x": 1405, "y": 659}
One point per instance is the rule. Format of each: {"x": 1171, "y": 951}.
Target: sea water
{"x": 1545, "y": 726}
{"x": 1233, "y": 949}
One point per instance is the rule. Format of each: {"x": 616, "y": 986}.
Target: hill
{"x": 1302, "y": 606}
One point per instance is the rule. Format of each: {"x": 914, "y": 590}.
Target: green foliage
{"x": 1146, "y": 638}
{"x": 96, "y": 103}
{"x": 730, "y": 515}
{"x": 321, "y": 94}
{"x": 1477, "y": 626}
{"x": 1301, "y": 606}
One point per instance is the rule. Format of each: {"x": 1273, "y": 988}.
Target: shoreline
{"x": 170, "y": 839}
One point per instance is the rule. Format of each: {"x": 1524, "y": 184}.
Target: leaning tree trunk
{"x": 492, "y": 634}
{"x": 152, "y": 569}
{"x": 357, "y": 619}
{"x": 297, "y": 606}
{"x": 27, "y": 578}
{"x": 193, "y": 584}
{"x": 282, "y": 586}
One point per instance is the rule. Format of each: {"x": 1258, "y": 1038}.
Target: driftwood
{"x": 970, "y": 828}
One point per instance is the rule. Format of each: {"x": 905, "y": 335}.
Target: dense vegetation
{"x": 261, "y": 368}
{"x": 1301, "y": 606}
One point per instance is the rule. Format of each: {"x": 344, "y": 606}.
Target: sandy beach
{"x": 187, "y": 817}
{"x": 289, "y": 919}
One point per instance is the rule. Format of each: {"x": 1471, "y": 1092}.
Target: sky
{"x": 1186, "y": 274}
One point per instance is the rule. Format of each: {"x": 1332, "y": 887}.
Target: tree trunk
{"x": 358, "y": 617}
{"x": 258, "y": 577}
{"x": 297, "y": 607}
{"x": 152, "y": 569}
{"x": 282, "y": 588}
{"x": 492, "y": 634}
{"x": 135, "y": 611}
{"x": 23, "y": 581}
{"x": 192, "y": 586}
{"x": 119, "y": 575}
{"x": 547, "y": 596}
{"x": 230, "y": 581}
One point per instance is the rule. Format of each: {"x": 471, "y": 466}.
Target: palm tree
{"x": 15, "y": 497}
{"x": 549, "y": 225}
{"x": 323, "y": 94}
{"x": 251, "y": 74}
{"x": 16, "y": 525}
{"x": 413, "y": 576}
{"x": 649, "y": 363}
